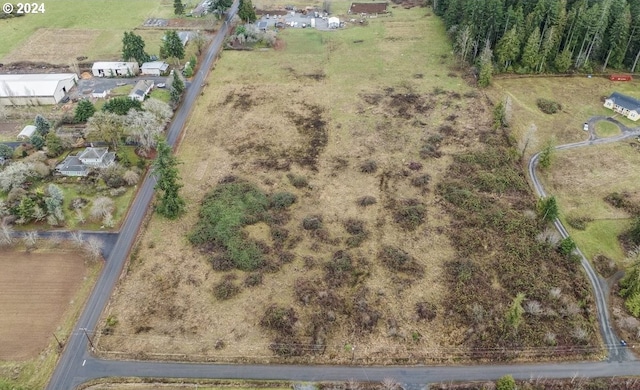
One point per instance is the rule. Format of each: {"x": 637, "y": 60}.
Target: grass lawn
{"x": 104, "y": 21}
{"x": 161, "y": 94}
{"x": 580, "y": 97}
{"x": 606, "y": 129}
{"x": 580, "y": 185}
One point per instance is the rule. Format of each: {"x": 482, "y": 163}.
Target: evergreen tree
{"x": 218, "y": 7}
{"x": 508, "y": 49}
{"x": 178, "y": 7}
{"x": 37, "y": 141}
{"x": 133, "y": 48}
{"x": 562, "y": 62}
{"x": 172, "y": 45}
{"x": 486, "y": 66}
{"x": 246, "y": 13}
{"x": 530, "y": 54}
{"x": 630, "y": 285}
{"x": 171, "y": 205}
{"x": 54, "y": 145}
{"x": 42, "y": 125}
{"x": 177, "y": 87}
{"x": 84, "y": 111}
{"x": 548, "y": 209}
{"x": 617, "y": 34}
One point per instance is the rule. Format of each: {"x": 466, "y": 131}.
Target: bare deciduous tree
{"x": 390, "y": 384}
{"x": 131, "y": 177}
{"x": 30, "y": 239}
{"x": 80, "y": 216}
{"x": 6, "y": 235}
{"x": 93, "y": 248}
{"x": 77, "y": 238}
{"x": 101, "y": 207}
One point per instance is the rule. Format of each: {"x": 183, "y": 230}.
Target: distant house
{"x": 623, "y": 104}
{"x": 368, "y": 8}
{"x": 90, "y": 158}
{"x": 27, "y": 132}
{"x": 115, "y": 69}
{"x": 35, "y": 89}
{"x": 141, "y": 90}
{"x": 155, "y": 68}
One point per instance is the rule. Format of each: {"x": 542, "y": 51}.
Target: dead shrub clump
{"x": 253, "y": 279}
{"x": 548, "y": 106}
{"x": 298, "y": 181}
{"x": 312, "y": 222}
{"x": 421, "y": 181}
{"x": 426, "y": 311}
{"x": 369, "y": 166}
{"x": 338, "y": 269}
{"x": 279, "y": 319}
{"x": 397, "y": 260}
{"x": 366, "y": 201}
{"x": 356, "y": 228}
{"x": 226, "y": 289}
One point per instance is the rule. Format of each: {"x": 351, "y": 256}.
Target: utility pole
{"x": 60, "y": 345}
{"x": 88, "y": 338}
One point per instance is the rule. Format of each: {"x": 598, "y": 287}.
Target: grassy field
{"x": 580, "y": 97}
{"x": 45, "y": 288}
{"x": 606, "y": 129}
{"x": 376, "y": 111}
{"x": 580, "y": 185}
{"x": 69, "y": 29}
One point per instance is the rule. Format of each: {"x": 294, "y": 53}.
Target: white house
{"x": 333, "y": 22}
{"x": 35, "y": 89}
{"x": 155, "y": 68}
{"x": 90, "y": 158}
{"x": 141, "y": 90}
{"x": 100, "y": 93}
{"x": 623, "y": 104}
{"x": 115, "y": 69}
{"x": 27, "y": 132}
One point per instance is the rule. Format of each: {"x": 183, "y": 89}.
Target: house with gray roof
{"x": 141, "y": 90}
{"x": 80, "y": 164}
{"x": 623, "y": 104}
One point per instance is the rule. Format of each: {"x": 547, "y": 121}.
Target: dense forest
{"x": 535, "y": 36}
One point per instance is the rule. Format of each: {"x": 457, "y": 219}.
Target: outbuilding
{"x": 623, "y": 104}
{"x": 27, "y": 132}
{"x": 333, "y": 22}
{"x": 35, "y": 89}
{"x": 154, "y": 68}
{"x": 115, "y": 69}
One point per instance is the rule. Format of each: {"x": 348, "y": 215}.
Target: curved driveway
{"x": 77, "y": 365}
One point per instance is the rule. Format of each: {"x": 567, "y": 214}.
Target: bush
{"x": 282, "y": 200}
{"x": 366, "y": 201}
{"x": 312, "y": 222}
{"x": 421, "y": 181}
{"x": 506, "y": 383}
{"x": 410, "y": 214}
{"x": 113, "y": 176}
{"x": 369, "y": 166}
{"x": 279, "y": 319}
{"x": 338, "y": 269}
{"x": 221, "y": 263}
{"x": 355, "y": 227}
{"x": 396, "y": 259}
{"x": 298, "y": 181}
{"x": 253, "y": 279}
{"x": 577, "y": 222}
{"x": 548, "y": 106}
{"x": 226, "y": 289}
{"x": 121, "y": 105}
{"x": 426, "y": 311}
{"x": 415, "y": 166}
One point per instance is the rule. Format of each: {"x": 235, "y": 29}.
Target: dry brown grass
{"x": 54, "y": 46}
{"x": 35, "y": 289}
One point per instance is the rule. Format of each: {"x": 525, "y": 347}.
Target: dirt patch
{"x": 35, "y": 290}
{"x": 279, "y": 12}
{"x": 54, "y": 46}
{"x": 9, "y": 130}
{"x": 368, "y": 8}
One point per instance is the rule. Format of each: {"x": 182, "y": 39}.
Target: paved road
{"x": 598, "y": 284}
{"x": 69, "y": 372}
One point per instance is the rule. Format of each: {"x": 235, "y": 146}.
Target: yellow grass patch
{"x": 55, "y": 46}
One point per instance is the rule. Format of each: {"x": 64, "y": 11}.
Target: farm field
{"x": 69, "y": 29}
{"x": 41, "y": 293}
{"x": 409, "y": 237}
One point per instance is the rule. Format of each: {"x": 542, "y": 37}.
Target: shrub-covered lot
{"x": 350, "y": 202}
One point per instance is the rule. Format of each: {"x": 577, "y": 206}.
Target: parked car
{"x": 65, "y": 99}
{"x": 623, "y": 343}
{"x": 161, "y": 85}
{"x": 585, "y": 127}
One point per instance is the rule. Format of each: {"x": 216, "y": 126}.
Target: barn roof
{"x": 368, "y": 8}
{"x": 114, "y": 65}
{"x": 163, "y": 66}
{"x": 628, "y": 102}
{"x": 32, "y": 85}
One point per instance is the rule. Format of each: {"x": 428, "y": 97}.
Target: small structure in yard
{"x": 115, "y": 69}
{"x": 368, "y": 8}
{"x": 141, "y": 90}
{"x": 27, "y": 132}
{"x": 333, "y": 22}
{"x": 154, "y": 68}
{"x": 623, "y": 104}
{"x": 184, "y": 37}
{"x": 99, "y": 93}
{"x": 35, "y": 89}
{"x": 262, "y": 26}
{"x": 90, "y": 158}
{"x": 620, "y": 77}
